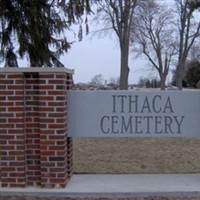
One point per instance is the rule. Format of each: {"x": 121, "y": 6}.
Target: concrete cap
{"x": 36, "y": 70}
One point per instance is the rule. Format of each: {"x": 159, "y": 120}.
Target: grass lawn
{"x": 136, "y": 155}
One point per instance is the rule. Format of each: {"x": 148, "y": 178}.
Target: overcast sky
{"x": 102, "y": 56}
{"x": 95, "y": 56}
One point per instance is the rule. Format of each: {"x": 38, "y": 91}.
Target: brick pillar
{"x": 34, "y": 146}
{"x": 32, "y": 123}
{"x": 12, "y": 130}
{"x": 53, "y": 129}
{"x": 69, "y": 140}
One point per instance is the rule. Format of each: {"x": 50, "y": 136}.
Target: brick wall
{"x": 12, "y": 130}
{"x": 34, "y": 147}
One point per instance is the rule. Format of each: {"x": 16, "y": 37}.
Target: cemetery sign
{"x": 133, "y": 114}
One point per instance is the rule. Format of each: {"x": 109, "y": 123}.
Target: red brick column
{"x": 32, "y": 131}
{"x": 12, "y": 130}
{"x": 69, "y": 140}
{"x": 53, "y": 129}
{"x": 34, "y": 147}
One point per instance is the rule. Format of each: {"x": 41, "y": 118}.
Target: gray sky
{"x": 95, "y": 56}
{"x": 101, "y": 56}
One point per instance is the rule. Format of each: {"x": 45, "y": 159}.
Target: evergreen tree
{"x": 195, "y": 4}
{"x": 193, "y": 73}
{"x": 36, "y": 29}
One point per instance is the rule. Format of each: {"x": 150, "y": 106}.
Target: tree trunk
{"x": 179, "y": 76}
{"x": 179, "y": 80}
{"x": 124, "y": 70}
{"x": 162, "y": 81}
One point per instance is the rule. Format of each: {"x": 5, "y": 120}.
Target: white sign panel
{"x": 133, "y": 114}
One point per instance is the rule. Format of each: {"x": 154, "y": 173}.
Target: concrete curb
{"x": 117, "y": 186}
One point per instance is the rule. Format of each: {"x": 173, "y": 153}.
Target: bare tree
{"x": 189, "y": 31}
{"x": 154, "y": 36}
{"x": 117, "y": 15}
{"x": 98, "y": 79}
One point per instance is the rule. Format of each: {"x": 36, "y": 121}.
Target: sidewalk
{"x": 132, "y": 185}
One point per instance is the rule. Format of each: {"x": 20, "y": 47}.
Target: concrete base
{"x": 118, "y": 186}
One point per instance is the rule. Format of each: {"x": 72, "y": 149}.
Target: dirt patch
{"x": 136, "y": 155}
